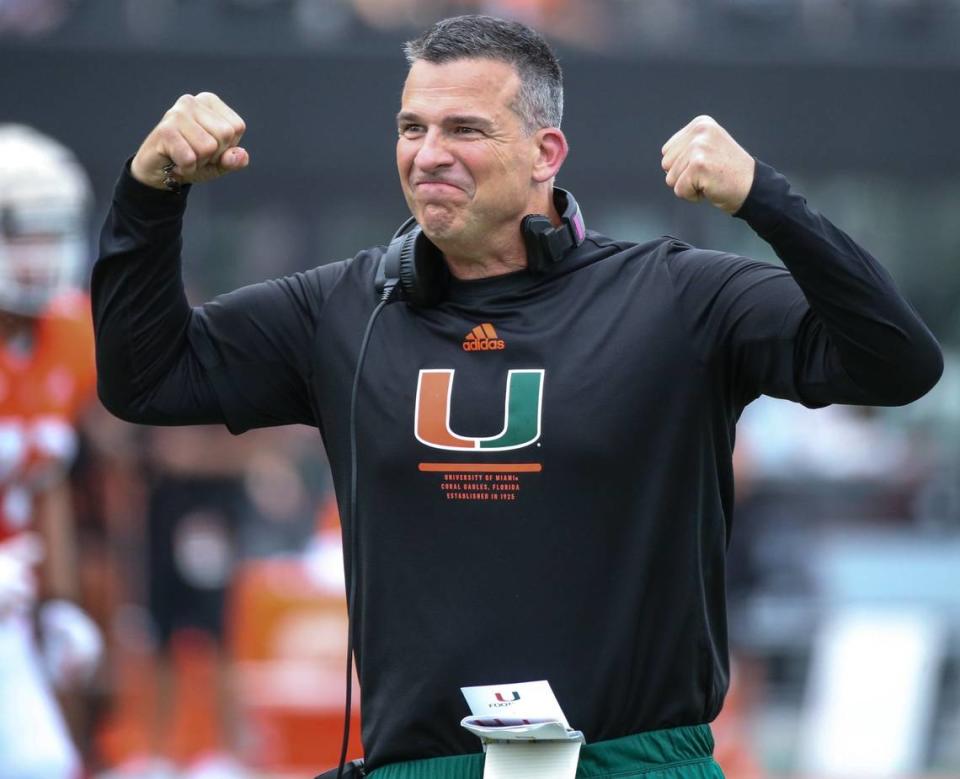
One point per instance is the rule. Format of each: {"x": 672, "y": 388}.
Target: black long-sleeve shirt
{"x": 545, "y": 479}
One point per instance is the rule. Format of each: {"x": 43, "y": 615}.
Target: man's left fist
{"x": 703, "y": 161}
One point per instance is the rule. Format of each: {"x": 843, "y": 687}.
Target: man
{"x": 584, "y": 542}
{"x": 46, "y": 380}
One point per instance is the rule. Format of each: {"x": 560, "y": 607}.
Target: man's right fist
{"x": 199, "y": 135}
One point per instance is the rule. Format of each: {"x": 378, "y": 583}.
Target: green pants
{"x": 677, "y": 753}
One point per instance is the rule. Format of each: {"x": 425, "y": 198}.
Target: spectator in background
{"x": 583, "y": 24}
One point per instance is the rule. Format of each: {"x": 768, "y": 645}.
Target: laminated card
{"x": 524, "y": 731}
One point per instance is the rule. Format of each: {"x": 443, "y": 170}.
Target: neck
{"x": 492, "y": 262}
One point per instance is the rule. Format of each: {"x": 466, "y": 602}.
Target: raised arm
{"x": 240, "y": 359}
{"x": 832, "y": 330}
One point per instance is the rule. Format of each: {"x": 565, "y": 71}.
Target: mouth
{"x": 437, "y": 187}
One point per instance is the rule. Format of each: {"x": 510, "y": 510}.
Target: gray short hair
{"x": 539, "y": 101}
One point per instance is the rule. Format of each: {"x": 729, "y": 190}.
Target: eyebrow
{"x": 456, "y": 119}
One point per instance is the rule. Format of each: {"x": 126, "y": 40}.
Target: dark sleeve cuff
{"x": 767, "y": 202}
{"x": 145, "y": 202}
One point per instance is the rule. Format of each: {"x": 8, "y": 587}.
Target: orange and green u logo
{"x": 522, "y": 406}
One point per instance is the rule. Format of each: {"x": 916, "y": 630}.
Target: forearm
{"x": 147, "y": 370}
{"x": 859, "y": 323}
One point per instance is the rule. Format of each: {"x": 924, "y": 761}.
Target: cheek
{"x": 512, "y": 163}
{"x": 485, "y": 167}
{"x": 511, "y": 172}
{"x": 405, "y": 157}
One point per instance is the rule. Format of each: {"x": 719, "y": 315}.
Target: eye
{"x": 410, "y": 130}
{"x": 466, "y": 130}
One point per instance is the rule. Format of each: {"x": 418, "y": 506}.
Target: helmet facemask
{"x": 44, "y": 202}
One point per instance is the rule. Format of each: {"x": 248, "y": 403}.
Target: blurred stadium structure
{"x": 845, "y": 559}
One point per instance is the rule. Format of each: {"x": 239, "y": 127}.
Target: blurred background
{"x": 211, "y": 564}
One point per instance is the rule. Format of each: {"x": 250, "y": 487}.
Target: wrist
{"x": 148, "y": 175}
{"x": 746, "y": 177}
{"x": 765, "y": 204}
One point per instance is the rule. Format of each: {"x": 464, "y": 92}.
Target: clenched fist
{"x": 703, "y": 162}
{"x": 198, "y": 136}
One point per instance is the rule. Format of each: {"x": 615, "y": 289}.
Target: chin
{"x": 437, "y": 223}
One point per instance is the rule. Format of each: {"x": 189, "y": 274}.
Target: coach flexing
{"x": 556, "y": 503}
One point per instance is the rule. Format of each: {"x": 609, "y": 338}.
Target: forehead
{"x": 476, "y": 85}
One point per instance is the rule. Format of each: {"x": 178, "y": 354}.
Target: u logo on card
{"x": 522, "y": 404}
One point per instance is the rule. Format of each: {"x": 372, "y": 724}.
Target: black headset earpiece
{"x": 415, "y": 265}
{"x": 418, "y": 269}
{"x": 547, "y": 244}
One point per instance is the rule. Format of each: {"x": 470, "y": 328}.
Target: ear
{"x": 552, "y": 150}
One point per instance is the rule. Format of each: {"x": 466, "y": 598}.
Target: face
{"x": 465, "y": 164}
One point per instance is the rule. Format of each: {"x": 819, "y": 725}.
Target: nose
{"x": 433, "y": 152}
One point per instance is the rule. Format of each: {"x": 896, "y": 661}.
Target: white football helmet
{"x": 45, "y": 197}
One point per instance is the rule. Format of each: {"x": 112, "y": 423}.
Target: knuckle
{"x": 185, "y": 100}
{"x": 217, "y": 132}
{"x": 207, "y": 147}
{"x": 167, "y": 132}
{"x": 225, "y": 132}
{"x": 185, "y": 158}
{"x": 703, "y": 148}
{"x": 207, "y": 96}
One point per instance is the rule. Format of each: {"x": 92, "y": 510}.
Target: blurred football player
{"x": 46, "y": 378}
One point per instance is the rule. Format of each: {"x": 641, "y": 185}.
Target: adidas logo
{"x": 483, "y": 338}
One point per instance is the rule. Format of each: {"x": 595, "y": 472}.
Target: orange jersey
{"x": 44, "y": 386}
